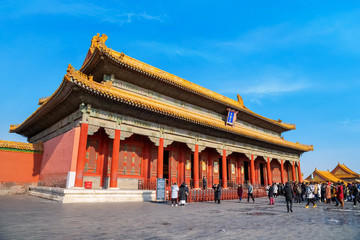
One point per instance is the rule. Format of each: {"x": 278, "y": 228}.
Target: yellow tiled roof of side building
{"x": 329, "y": 176}
{"x": 21, "y": 145}
{"x": 343, "y": 166}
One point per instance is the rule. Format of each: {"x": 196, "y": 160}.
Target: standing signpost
{"x": 160, "y": 189}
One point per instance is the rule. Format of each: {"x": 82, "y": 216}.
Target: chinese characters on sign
{"x": 231, "y": 118}
{"x": 160, "y": 189}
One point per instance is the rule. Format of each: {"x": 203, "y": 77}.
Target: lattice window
{"x": 110, "y": 157}
{"x": 276, "y": 173}
{"x": 136, "y": 160}
{"x": 286, "y": 174}
{"x": 203, "y": 164}
{"x": 123, "y": 159}
{"x": 188, "y": 165}
{"x": 92, "y": 154}
{"x": 154, "y": 153}
{"x": 216, "y": 168}
{"x": 130, "y": 158}
{"x": 174, "y": 164}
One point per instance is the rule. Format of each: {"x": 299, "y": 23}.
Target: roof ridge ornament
{"x": 72, "y": 72}
{"x": 42, "y": 100}
{"x": 97, "y": 41}
{"x": 241, "y": 101}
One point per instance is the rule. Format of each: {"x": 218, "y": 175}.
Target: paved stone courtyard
{"x": 26, "y": 217}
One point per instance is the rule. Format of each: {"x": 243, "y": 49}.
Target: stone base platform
{"x": 74, "y": 195}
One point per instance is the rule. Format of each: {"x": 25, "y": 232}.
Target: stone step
{"x": 81, "y": 195}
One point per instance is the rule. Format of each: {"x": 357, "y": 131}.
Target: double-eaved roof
{"x": 89, "y": 80}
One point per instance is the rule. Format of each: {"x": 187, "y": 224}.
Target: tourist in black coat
{"x": 355, "y": 193}
{"x": 289, "y": 195}
{"x": 182, "y": 194}
{"x": 204, "y": 183}
{"x": 217, "y": 192}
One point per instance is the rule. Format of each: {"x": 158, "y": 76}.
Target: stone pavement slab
{"x": 26, "y": 217}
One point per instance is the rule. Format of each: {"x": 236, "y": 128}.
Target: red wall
{"x": 58, "y": 157}
{"x": 19, "y": 167}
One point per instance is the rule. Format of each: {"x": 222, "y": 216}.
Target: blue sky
{"x": 295, "y": 61}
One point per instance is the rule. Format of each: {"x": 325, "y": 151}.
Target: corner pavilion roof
{"x": 78, "y": 79}
{"x": 98, "y": 45}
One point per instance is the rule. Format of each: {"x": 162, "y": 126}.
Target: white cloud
{"x": 339, "y": 31}
{"x": 176, "y": 50}
{"x": 351, "y": 124}
{"x": 48, "y": 7}
{"x": 274, "y": 82}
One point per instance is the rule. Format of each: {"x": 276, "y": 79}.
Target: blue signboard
{"x": 160, "y": 189}
{"x": 230, "y": 119}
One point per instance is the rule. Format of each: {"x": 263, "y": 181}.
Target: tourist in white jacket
{"x": 310, "y": 189}
{"x": 174, "y": 194}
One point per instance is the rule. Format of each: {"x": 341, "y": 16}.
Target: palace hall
{"x": 118, "y": 122}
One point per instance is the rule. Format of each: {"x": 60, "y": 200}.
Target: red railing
{"x": 150, "y": 184}
{"x": 203, "y": 195}
{"x": 199, "y": 195}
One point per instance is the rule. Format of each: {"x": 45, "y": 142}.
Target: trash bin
{"x": 88, "y": 185}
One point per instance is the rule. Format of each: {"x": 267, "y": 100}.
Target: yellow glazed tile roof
{"x": 98, "y": 43}
{"x": 328, "y": 176}
{"x": 21, "y": 146}
{"x": 107, "y": 91}
{"x": 346, "y": 169}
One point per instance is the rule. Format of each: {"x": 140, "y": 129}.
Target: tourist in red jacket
{"x": 340, "y": 194}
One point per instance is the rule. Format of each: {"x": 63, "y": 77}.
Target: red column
{"x": 282, "y": 171}
{"x": 293, "y": 171}
{"x": 224, "y": 169}
{"x": 115, "y": 159}
{"x": 299, "y": 171}
{"x": 252, "y": 169}
{"x": 196, "y": 166}
{"x": 81, "y": 155}
{"x": 160, "y": 160}
{"x": 269, "y": 171}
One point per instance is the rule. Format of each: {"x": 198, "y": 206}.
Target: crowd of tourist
{"x": 307, "y": 192}
{"x": 313, "y": 192}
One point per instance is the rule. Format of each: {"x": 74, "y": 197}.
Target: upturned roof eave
{"x": 44, "y": 108}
